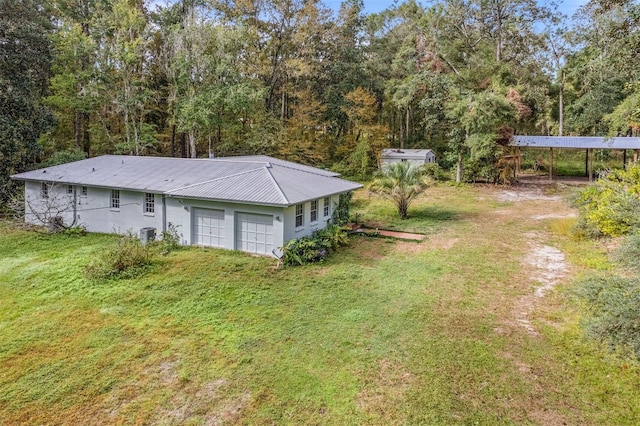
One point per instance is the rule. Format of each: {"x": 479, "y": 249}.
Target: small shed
{"x": 414, "y": 156}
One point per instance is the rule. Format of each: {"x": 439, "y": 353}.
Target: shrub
{"x": 341, "y": 213}
{"x": 75, "y": 231}
{"x": 613, "y": 315}
{"x": 170, "y": 239}
{"x": 315, "y": 248}
{"x": 628, "y": 253}
{"x": 127, "y": 259}
{"x": 611, "y": 206}
{"x": 435, "y": 172}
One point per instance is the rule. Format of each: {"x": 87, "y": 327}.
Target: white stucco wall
{"x": 59, "y": 203}
{"x": 94, "y": 212}
{"x": 180, "y": 214}
{"x": 308, "y": 228}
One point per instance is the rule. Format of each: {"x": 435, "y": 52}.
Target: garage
{"x": 254, "y": 233}
{"x": 208, "y": 227}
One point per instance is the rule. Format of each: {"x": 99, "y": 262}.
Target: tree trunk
{"x": 77, "y": 128}
{"x": 499, "y": 36}
{"x": 192, "y": 144}
{"x": 459, "y": 168}
{"x": 173, "y": 140}
{"x": 283, "y": 107}
{"x": 407, "y": 127}
{"x": 401, "y": 131}
{"x": 86, "y": 135}
{"x": 561, "y": 105}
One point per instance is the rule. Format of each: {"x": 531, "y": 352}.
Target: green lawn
{"x": 384, "y": 332}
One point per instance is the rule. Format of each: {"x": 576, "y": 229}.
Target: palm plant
{"x": 400, "y": 183}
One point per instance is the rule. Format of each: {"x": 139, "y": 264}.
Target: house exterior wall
{"x": 94, "y": 212}
{"x": 308, "y": 228}
{"x": 180, "y": 215}
{"x": 59, "y": 203}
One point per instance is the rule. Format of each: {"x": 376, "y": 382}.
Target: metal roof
{"x": 256, "y": 180}
{"x": 266, "y": 158}
{"x": 405, "y": 153}
{"x": 576, "y": 142}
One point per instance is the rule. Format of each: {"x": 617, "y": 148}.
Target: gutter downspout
{"x": 164, "y": 214}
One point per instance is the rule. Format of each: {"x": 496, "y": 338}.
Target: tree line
{"x": 295, "y": 79}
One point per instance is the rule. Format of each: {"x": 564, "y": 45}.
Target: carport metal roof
{"x": 576, "y": 142}
{"x": 588, "y": 143}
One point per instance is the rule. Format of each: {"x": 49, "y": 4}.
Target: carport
{"x": 587, "y": 143}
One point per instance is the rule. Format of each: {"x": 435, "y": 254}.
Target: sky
{"x": 568, "y": 7}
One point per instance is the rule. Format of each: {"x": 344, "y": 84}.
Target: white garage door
{"x": 254, "y": 233}
{"x": 208, "y": 227}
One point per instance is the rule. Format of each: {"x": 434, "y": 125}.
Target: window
{"x": 44, "y": 190}
{"x": 69, "y": 189}
{"x": 83, "y": 191}
{"x": 299, "y": 215}
{"x": 149, "y": 203}
{"x": 314, "y": 211}
{"x": 115, "y": 198}
{"x": 327, "y": 206}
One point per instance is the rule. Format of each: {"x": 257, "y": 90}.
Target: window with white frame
{"x": 299, "y": 215}
{"x": 44, "y": 190}
{"x": 149, "y": 203}
{"x": 83, "y": 191}
{"x": 115, "y": 198}
{"x": 70, "y": 189}
{"x": 314, "y": 211}
{"x": 326, "y": 206}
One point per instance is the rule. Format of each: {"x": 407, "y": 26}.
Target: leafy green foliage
{"x": 435, "y": 172}
{"x": 315, "y": 248}
{"x": 341, "y": 212}
{"x": 614, "y": 317}
{"x": 24, "y": 69}
{"x": 611, "y": 206}
{"x": 170, "y": 239}
{"x": 127, "y": 259}
{"x": 63, "y": 157}
{"x": 628, "y": 252}
{"x": 75, "y": 231}
{"x": 400, "y": 182}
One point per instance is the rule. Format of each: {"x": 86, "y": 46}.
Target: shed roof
{"x": 576, "y": 142}
{"x": 255, "y": 180}
{"x": 405, "y": 153}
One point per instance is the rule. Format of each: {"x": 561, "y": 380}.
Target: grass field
{"x": 384, "y": 332}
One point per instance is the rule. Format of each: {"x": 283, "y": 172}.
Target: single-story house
{"x": 414, "y": 156}
{"x": 254, "y": 203}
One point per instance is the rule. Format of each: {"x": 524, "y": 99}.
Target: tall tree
{"x": 25, "y": 60}
{"x": 606, "y": 62}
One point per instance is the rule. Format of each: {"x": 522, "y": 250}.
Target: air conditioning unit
{"x": 147, "y": 235}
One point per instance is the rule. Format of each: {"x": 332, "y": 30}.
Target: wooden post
{"x": 519, "y": 161}
{"x": 635, "y": 155}
{"x": 624, "y": 159}
{"x": 590, "y": 159}
{"x": 586, "y": 163}
{"x": 550, "y": 163}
